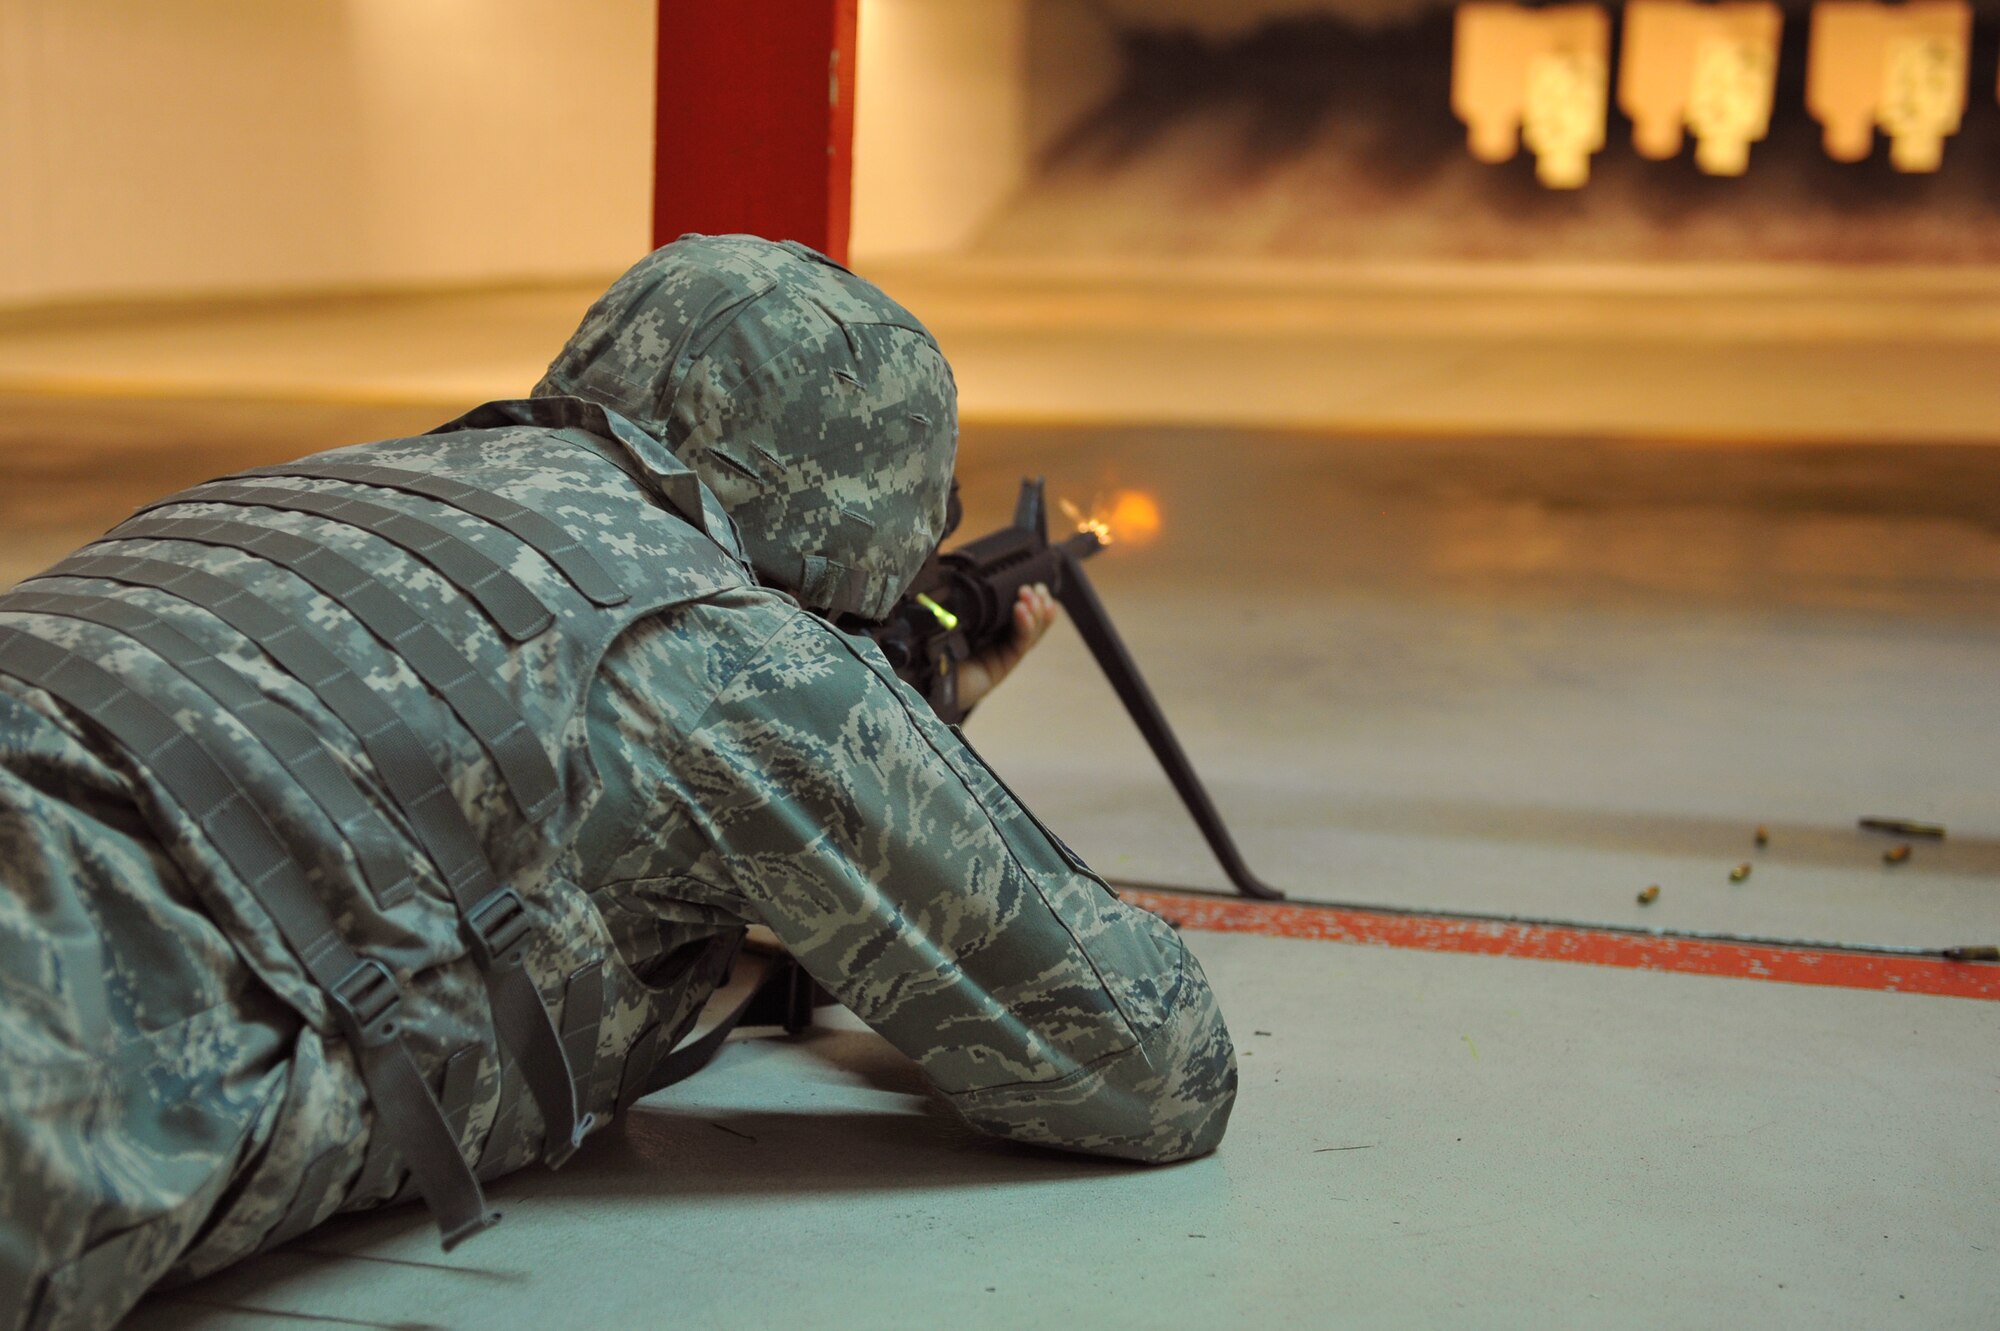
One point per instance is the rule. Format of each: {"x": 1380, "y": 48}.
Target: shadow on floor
{"x": 682, "y": 1155}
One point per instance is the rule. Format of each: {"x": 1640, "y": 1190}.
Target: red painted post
{"x": 755, "y": 120}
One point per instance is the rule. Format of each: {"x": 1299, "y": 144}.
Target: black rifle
{"x": 962, "y": 604}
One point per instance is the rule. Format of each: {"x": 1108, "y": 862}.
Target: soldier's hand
{"x": 1034, "y": 610}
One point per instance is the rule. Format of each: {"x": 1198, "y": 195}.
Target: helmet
{"x": 821, "y": 413}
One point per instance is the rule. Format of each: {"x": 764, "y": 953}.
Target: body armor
{"x": 349, "y": 692}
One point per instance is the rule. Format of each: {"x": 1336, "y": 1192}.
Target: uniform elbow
{"x": 1166, "y": 1098}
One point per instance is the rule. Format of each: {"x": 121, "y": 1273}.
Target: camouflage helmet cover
{"x": 819, "y": 411}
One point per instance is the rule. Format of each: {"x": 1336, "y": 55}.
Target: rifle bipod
{"x": 1079, "y": 598}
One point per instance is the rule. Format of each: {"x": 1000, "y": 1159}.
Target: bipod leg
{"x": 1094, "y": 623}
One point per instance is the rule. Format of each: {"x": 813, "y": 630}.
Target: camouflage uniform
{"x": 614, "y": 658}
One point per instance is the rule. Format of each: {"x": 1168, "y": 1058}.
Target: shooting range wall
{"x": 454, "y": 142}
{"x": 194, "y": 147}
{"x": 198, "y": 146}
{"x": 959, "y": 104}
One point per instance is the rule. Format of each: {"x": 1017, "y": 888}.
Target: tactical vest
{"x": 350, "y": 692}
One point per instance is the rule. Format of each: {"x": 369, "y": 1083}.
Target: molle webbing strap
{"x": 361, "y": 993}
{"x": 315, "y": 1188}
{"x": 459, "y": 1087}
{"x": 824, "y": 582}
{"x": 529, "y": 1033}
{"x": 381, "y": 1177}
{"x": 514, "y": 609}
{"x": 278, "y": 730}
{"x": 400, "y": 759}
{"x": 500, "y": 730}
{"x": 577, "y": 565}
{"x": 640, "y": 1061}
{"x": 492, "y": 916}
{"x": 501, "y": 1136}
{"x": 582, "y": 1016}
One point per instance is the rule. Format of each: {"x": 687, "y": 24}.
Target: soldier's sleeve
{"x": 822, "y": 793}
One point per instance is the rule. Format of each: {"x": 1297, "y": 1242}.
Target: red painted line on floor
{"x": 1591, "y": 947}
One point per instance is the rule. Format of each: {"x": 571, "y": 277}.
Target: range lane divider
{"x": 1905, "y": 971}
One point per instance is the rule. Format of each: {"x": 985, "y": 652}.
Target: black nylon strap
{"x": 278, "y": 730}
{"x": 691, "y": 1058}
{"x": 577, "y": 565}
{"x": 492, "y": 916}
{"x": 362, "y": 994}
{"x": 505, "y": 599}
{"x": 500, "y": 730}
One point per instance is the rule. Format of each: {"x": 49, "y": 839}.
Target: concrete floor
{"x": 1483, "y": 671}
{"x": 1420, "y": 1141}
{"x": 1535, "y": 677}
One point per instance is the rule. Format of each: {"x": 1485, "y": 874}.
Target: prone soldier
{"x": 374, "y": 825}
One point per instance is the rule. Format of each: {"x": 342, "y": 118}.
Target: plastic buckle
{"x": 365, "y": 1001}
{"x": 498, "y": 923}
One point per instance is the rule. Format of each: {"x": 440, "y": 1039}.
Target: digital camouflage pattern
{"x": 176, "y": 1098}
{"x": 820, "y": 411}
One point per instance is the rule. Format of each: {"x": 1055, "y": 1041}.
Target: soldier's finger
{"x": 1028, "y": 614}
{"x": 1038, "y": 623}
